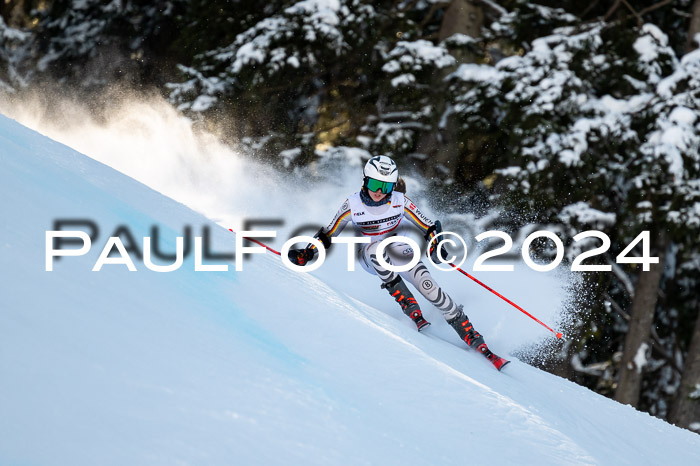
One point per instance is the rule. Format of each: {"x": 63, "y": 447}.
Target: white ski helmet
{"x": 381, "y": 168}
{"x": 380, "y": 172}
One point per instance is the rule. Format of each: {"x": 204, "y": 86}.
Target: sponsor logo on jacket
{"x": 389, "y": 220}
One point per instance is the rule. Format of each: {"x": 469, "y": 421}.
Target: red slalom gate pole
{"x": 257, "y": 242}
{"x": 558, "y": 334}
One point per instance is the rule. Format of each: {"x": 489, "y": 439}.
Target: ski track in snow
{"x": 263, "y": 366}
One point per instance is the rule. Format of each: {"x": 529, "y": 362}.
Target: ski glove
{"x": 437, "y": 253}
{"x": 300, "y": 256}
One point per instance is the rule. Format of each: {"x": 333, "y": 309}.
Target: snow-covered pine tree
{"x": 406, "y": 105}
{"x": 314, "y": 74}
{"x": 276, "y": 76}
{"x": 14, "y": 50}
{"x": 91, "y": 44}
{"x": 598, "y": 126}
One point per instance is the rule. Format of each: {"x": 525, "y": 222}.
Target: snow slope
{"x": 263, "y": 366}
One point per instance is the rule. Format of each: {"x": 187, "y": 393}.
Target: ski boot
{"x": 473, "y": 339}
{"x": 400, "y": 292}
{"x": 466, "y": 330}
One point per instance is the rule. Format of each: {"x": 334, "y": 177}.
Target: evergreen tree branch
{"x": 612, "y": 10}
{"x": 617, "y": 307}
{"x": 433, "y": 8}
{"x": 662, "y": 352}
{"x": 494, "y": 6}
{"x": 623, "y": 277}
{"x": 407, "y": 6}
{"x": 640, "y": 21}
{"x": 654, "y": 7}
{"x": 657, "y": 346}
{"x": 590, "y": 8}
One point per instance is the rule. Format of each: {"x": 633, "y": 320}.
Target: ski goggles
{"x": 374, "y": 185}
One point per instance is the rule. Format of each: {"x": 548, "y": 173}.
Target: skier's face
{"x": 376, "y": 195}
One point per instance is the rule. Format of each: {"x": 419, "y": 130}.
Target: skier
{"x": 376, "y": 211}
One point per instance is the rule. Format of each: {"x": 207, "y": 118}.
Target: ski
{"x": 422, "y": 325}
{"x": 497, "y": 361}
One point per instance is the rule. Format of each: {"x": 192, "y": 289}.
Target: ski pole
{"x": 558, "y": 334}
{"x": 257, "y": 242}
